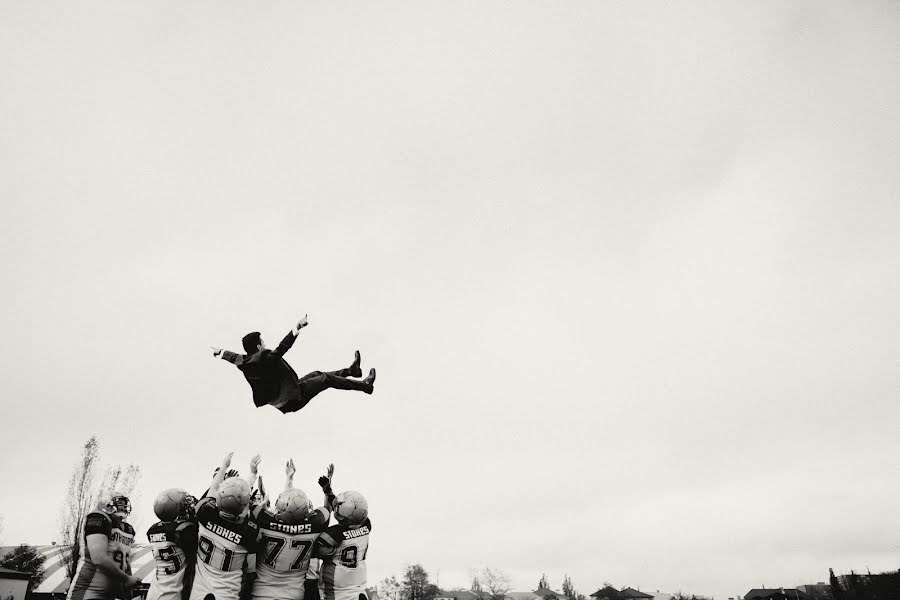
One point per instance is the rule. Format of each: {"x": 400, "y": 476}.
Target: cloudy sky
{"x": 628, "y": 272}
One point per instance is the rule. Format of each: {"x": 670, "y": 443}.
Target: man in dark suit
{"x": 274, "y": 382}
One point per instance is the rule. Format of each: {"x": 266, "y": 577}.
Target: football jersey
{"x": 343, "y": 551}
{"x": 283, "y": 555}
{"x": 222, "y": 549}
{"x": 89, "y": 581}
{"x": 173, "y": 543}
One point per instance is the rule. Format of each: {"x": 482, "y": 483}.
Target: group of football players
{"x": 231, "y": 544}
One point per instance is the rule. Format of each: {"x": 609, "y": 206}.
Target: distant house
{"x": 775, "y": 594}
{"x": 522, "y": 596}
{"x": 461, "y": 595}
{"x": 13, "y": 584}
{"x": 548, "y": 594}
{"x": 633, "y": 594}
{"x": 607, "y": 593}
{"x": 538, "y": 594}
{"x": 817, "y": 591}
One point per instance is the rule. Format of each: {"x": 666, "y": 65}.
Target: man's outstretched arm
{"x": 289, "y": 339}
{"x": 232, "y": 357}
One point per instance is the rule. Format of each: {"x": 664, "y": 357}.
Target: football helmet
{"x": 292, "y": 506}
{"x": 351, "y": 508}
{"x": 119, "y": 504}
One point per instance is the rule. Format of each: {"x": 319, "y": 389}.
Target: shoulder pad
{"x": 97, "y": 522}
{"x": 185, "y": 525}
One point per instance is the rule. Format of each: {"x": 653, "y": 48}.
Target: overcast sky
{"x": 628, "y": 271}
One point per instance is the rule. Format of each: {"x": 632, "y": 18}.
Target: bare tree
{"x": 496, "y": 582}
{"x": 390, "y": 589}
{"x": 416, "y": 584}
{"x": 88, "y": 486}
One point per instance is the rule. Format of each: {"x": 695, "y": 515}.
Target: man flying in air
{"x": 274, "y": 381}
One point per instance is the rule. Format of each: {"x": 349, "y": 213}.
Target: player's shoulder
{"x": 185, "y": 525}
{"x": 99, "y": 515}
{"x": 97, "y": 522}
{"x": 161, "y": 531}
{"x": 266, "y": 518}
{"x": 341, "y": 533}
{"x": 123, "y": 526}
{"x": 318, "y": 519}
{"x": 205, "y": 504}
{"x": 251, "y": 523}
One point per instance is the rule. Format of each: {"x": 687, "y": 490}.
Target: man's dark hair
{"x": 251, "y": 342}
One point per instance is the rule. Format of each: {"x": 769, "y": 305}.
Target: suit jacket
{"x": 271, "y": 378}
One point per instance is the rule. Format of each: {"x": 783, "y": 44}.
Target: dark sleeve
{"x": 325, "y": 545}
{"x": 203, "y": 507}
{"x": 233, "y": 357}
{"x": 285, "y": 344}
{"x": 97, "y": 522}
{"x": 187, "y": 537}
{"x": 320, "y": 517}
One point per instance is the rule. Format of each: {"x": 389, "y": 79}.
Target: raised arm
{"x": 289, "y": 339}
{"x": 219, "y": 477}
{"x": 254, "y": 470}
{"x": 325, "y": 484}
{"x": 289, "y": 470}
{"x": 263, "y": 501}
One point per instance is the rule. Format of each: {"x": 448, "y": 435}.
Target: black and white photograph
{"x": 450, "y": 300}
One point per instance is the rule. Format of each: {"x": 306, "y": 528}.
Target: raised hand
{"x": 325, "y": 480}
{"x": 254, "y": 463}
{"x": 289, "y": 468}
{"x": 217, "y": 352}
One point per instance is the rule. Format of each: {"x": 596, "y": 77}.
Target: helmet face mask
{"x": 119, "y": 504}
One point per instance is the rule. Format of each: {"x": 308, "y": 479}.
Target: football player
{"x": 104, "y": 571}
{"x": 343, "y": 548}
{"x": 174, "y": 543}
{"x": 286, "y": 540}
{"x": 227, "y": 533}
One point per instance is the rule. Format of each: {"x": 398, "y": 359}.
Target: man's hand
{"x": 217, "y": 352}
{"x": 289, "y": 468}
{"x": 226, "y": 461}
{"x": 131, "y": 582}
{"x": 302, "y": 323}
{"x": 254, "y": 463}
{"x": 232, "y": 473}
{"x": 325, "y": 480}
